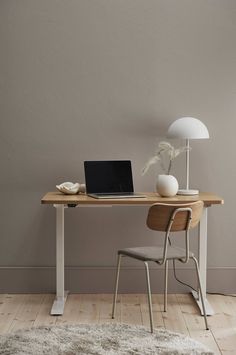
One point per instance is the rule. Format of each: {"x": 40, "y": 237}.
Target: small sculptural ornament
{"x": 70, "y": 188}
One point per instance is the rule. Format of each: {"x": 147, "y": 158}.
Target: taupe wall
{"x": 103, "y": 79}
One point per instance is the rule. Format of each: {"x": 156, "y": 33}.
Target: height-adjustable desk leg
{"x": 202, "y": 256}
{"x": 61, "y": 295}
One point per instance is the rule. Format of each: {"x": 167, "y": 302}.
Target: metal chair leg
{"x": 116, "y": 285}
{"x": 149, "y": 296}
{"x": 165, "y": 286}
{"x": 200, "y": 289}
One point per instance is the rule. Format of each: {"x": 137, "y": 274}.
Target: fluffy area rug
{"x": 105, "y": 339}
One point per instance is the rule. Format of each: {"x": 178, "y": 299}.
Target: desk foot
{"x": 209, "y": 309}
{"x": 58, "y": 305}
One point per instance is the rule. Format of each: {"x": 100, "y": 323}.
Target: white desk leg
{"x": 202, "y": 257}
{"x": 59, "y": 302}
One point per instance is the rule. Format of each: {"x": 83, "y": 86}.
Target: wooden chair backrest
{"x": 159, "y": 216}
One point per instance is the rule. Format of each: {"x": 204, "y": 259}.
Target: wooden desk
{"x": 61, "y": 201}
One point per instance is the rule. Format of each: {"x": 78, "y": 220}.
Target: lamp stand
{"x": 187, "y": 191}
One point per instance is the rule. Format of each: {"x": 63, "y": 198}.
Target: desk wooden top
{"x": 151, "y": 197}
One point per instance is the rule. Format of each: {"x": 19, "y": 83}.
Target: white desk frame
{"x": 61, "y": 294}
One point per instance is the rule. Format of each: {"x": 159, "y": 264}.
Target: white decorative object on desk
{"x": 70, "y": 188}
{"x": 167, "y": 185}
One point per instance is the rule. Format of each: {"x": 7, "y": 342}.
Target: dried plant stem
{"x": 161, "y": 161}
{"x": 165, "y": 152}
{"x": 169, "y": 167}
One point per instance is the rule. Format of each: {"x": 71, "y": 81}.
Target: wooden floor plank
{"x": 173, "y": 318}
{"x": 195, "y": 323}
{"x": 223, "y": 323}
{"x": 221, "y": 318}
{"x": 27, "y": 313}
{"x": 131, "y": 309}
{"x": 190, "y": 311}
{"x": 158, "y": 320}
{"x": 72, "y": 313}
{"x": 9, "y": 308}
{"x": 106, "y": 301}
{"x": 24, "y": 311}
{"x": 226, "y": 340}
{"x": 43, "y": 317}
{"x": 81, "y": 308}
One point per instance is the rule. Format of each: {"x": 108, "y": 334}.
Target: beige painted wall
{"x": 102, "y": 79}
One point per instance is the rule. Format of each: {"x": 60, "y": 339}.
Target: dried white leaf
{"x": 165, "y": 150}
{"x": 165, "y": 145}
{"x": 151, "y": 161}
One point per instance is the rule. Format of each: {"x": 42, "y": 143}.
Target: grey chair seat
{"x": 153, "y": 253}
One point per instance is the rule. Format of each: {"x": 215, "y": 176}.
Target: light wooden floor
{"x": 24, "y": 311}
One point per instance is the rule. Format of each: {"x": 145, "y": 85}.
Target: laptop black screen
{"x": 108, "y": 176}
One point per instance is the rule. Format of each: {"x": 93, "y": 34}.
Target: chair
{"x": 167, "y": 218}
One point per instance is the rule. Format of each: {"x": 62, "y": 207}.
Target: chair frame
{"x": 188, "y": 210}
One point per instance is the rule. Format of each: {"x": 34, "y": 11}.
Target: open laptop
{"x": 109, "y": 179}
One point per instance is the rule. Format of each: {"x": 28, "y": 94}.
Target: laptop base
{"x": 116, "y": 196}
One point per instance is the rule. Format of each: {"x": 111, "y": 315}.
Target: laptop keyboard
{"x": 117, "y": 195}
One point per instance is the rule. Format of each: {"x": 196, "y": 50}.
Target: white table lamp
{"x": 187, "y": 128}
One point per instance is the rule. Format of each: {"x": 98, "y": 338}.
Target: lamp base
{"x": 188, "y": 192}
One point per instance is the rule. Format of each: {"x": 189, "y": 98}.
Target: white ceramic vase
{"x": 167, "y": 185}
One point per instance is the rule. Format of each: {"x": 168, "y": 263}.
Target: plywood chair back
{"x": 183, "y": 216}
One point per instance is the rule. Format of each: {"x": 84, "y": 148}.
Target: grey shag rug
{"x": 105, "y": 339}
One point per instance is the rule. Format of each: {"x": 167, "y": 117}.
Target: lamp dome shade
{"x": 188, "y": 128}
